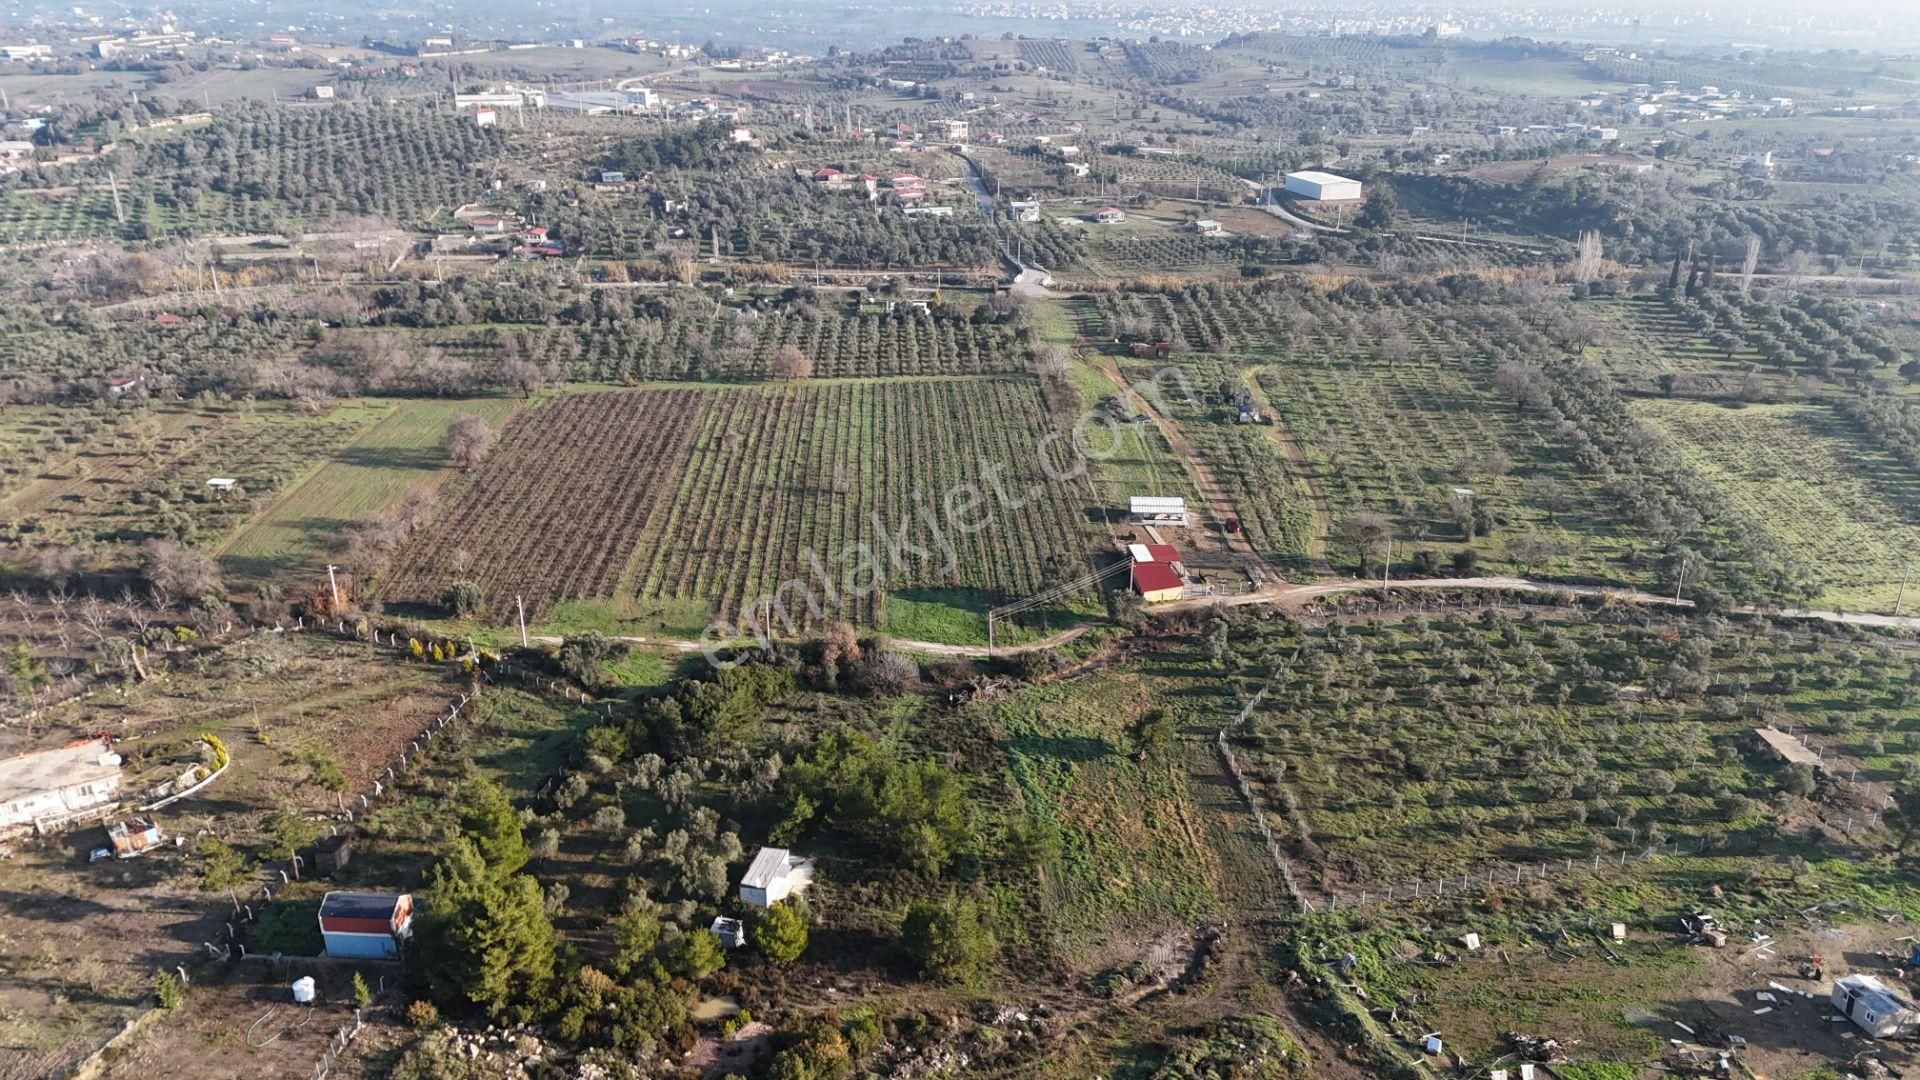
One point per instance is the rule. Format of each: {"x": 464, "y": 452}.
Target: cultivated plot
{"x": 1843, "y": 507}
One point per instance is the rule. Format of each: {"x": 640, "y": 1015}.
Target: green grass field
{"x": 1837, "y": 502}
{"x": 358, "y": 481}
{"x": 1132, "y": 846}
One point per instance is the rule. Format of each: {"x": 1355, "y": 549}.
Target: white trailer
{"x": 1874, "y": 1008}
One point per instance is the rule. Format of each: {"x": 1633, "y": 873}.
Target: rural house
{"x": 774, "y": 875}
{"x": 52, "y": 788}
{"x": 1109, "y": 215}
{"x": 365, "y": 925}
{"x": 1156, "y": 573}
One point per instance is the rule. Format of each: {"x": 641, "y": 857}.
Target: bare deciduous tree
{"x": 469, "y": 438}
{"x": 791, "y": 363}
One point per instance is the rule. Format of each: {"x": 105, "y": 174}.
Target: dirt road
{"x": 1219, "y": 505}
{"x": 1282, "y": 594}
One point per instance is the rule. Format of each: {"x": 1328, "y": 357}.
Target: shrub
{"x": 423, "y": 1014}
{"x": 464, "y": 598}
{"x": 168, "y": 993}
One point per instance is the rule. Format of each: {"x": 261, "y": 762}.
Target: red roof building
{"x": 365, "y": 925}
{"x": 1156, "y": 572}
{"x": 167, "y": 318}
{"x": 1157, "y": 582}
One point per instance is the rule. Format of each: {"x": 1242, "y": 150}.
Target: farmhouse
{"x": 1170, "y": 510}
{"x": 1109, "y": 215}
{"x": 1207, "y": 227}
{"x": 1158, "y": 350}
{"x": 774, "y": 875}
{"x": 1156, "y": 573}
{"x": 1875, "y": 1009}
{"x": 365, "y": 925}
{"x": 1025, "y": 211}
{"x": 1322, "y": 186}
{"x": 53, "y": 788}
{"x": 928, "y": 211}
{"x": 1079, "y": 168}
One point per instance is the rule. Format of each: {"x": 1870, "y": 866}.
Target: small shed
{"x": 330, "y": 855}
{"x": 1874, "y": 1008}
{"x": 365, "y": 925}
{"x": 1158, "y": 350}
{"x": 731, "y": 932}
{"x": 774, "y": 875}
{"x": 1207, "y": 227}
{"x": 133, "y": 836}
{"x": 221, "y": 483}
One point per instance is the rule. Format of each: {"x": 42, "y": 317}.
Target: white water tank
{"x": 303, "y": 990}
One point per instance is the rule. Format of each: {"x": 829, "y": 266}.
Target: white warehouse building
{"x": 1322, "y": 186}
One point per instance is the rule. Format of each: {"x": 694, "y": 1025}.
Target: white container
{"x": 303, "y": 990}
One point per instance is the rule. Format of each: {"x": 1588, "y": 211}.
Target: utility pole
{"x": 1681, "y": 582}
{"x": 1386, "y": 567}
{"x": 1897, "y": 600}
{"x": 521, "y": 606}
{"x": 333, "y": 583}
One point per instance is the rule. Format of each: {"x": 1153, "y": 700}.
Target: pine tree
{"x": 779, "y": 932}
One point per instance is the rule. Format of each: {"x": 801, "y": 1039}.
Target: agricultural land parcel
{"x": 677, "y": 502}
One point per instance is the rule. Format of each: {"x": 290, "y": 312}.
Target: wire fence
{"x": 342, "y": 1038}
